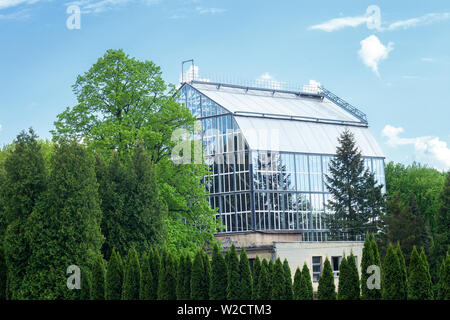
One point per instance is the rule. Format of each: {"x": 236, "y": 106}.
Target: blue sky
{"x": 391, "y": 60}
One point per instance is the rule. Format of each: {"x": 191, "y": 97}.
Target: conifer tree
{"x": 187, "y": 278}
{"x": 23, "y": 183}
{"x": 146, "y": 286}
{"x": 401, "y": 259}
{"x": 2, "y": 274}
{"x": 234, "y": 279}
{"x": 180, "y": 288}
{"x": 255, "y": 277}
{"x": 288, "y": 294}
{"x": 376, "y": 294}
{"x": 428, "y": 283}
{"x": 64, "y": 228}
{"x": 306, "y": 288}
{"x": 264, "y": 282}
{"x": 278, "y": 281}
{"x": 356, "y": 199}
{"x": 167, "y": 277}
{"x": 392, "y": 276}
{"x": 114, "y": 277}
{"x": 86, "y": 285}
{"x": 418, "y": 281}
{"x": 444, "y": 279}
{"x": 198, "y": 285}
{"x": 207, "y": 271}
{"x": 154, "y": 269}
{"x": 326, "y": 289}
{"x": 297, "y": 284}
{"x": 366, "y": 261}
{"x": 132, "y": 276}
{"x": 246, "y": 277}
{"x": 353, "y": 278}
{"x": 98, "y": 279}
{"x": 219, "y": 276}
{"x": 343, "y": 281}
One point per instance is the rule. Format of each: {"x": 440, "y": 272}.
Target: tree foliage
{"x": 245, "y": 276}
{"x": 264, "y": 282}
{"x": 234, "y": 277}
{"x": 114, "y": 277}
{"x": 326, "y": 289}
{"x": 219, "y": 274}
{"x": 392, "y": 283}
{"x": 132, "y": 276}
{"x": 199, "y": 288}
{"x": 306, "y": 288}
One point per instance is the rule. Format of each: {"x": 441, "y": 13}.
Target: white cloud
{"x": 340, "y": 23}
{"x": 423, "y": 20}
{"x": 429, "y": 149}
{"x": 192, "y": 74}
{"x": 373, "y": 51}
{"x": 98, "y": 6}
{"x": 268, "y": 81}
{"x": 202, "y": 10}
{"x": 1, "y": 127}
{"x": 12, "y": 3}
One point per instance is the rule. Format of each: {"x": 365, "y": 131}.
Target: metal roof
{"x": 287, "y": 121}
{"x": 303, "y": 136}
{"x": 276, "y": 102}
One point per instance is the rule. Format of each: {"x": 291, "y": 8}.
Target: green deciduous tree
{"x": 326, "y": 289}
{"x": 234, "y": 278}
{"x": 392, "y": 283}
{"x": 114, "y": 277}
{"x": 245, "y": 274}
{"x": 306, "y": 288}
{"x": 132, "y": 276}
{"x": 219, "y": 275}
{"x": 98, "y": 279}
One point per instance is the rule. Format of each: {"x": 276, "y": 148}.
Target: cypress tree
{"x": 270, "y": 268}
{"x": 366, "y": 261}
{"x": 146, "y": 286}
{"x": 219, "y": 275}
{"x": 278, "y": 281}
{"x": 23, "y": 182}
{"x": 401, "y": 259}
{"x": 234, "y": 279}
{"x": 255, "y": 277}
{"x": 98, "y": 279}
{"x": 306, "y": 288}
{"x": 198, "y": 285}
{"x": 428, "y": 283}
{"x": 187, "y": 277}
{"x": 288, "y": 294}
{"x": 114, "y": 277}
{"x": 86, "y": 285}
{"x": 376, "y": 293}
{"x": 245, "y": 276}
{"x": 64, "y": 228}
{"x": 154, "y": 269}
{"x": 444, "y": 279}
{"x": 207, "y": 271}
{"x": 326, "y": 289}
{"x": 132, "y": 276}
{"x": 167, "y": 277}
{"x": 418, "y": 282}
{"x": 297, "y": 284}
{"x": 2, "y": 274}
{"x": 264, "y": 282}
{"x": 180, "y": 289}
{"x": 343, "y": 281}
{"x": 354, "y": 292}
{"x": 392, "y": 276}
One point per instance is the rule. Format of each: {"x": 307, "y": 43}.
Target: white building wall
{"x": 298, "y": 253}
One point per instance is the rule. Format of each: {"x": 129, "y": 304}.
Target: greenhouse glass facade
{"x": 268, "y": 153}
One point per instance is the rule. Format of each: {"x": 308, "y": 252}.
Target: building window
{"x": 317, "y": 268}
{"x": 335, "y": 263}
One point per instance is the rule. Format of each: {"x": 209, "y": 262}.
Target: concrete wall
{"x": 298, "y": 253}
{"x": 256, "y": 239}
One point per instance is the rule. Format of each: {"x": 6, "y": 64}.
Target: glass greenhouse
{"x": 269, "y": 150}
